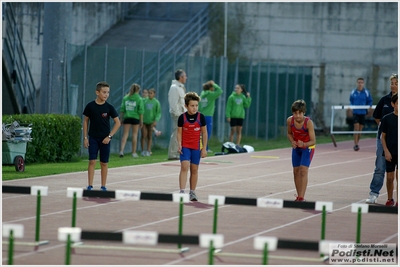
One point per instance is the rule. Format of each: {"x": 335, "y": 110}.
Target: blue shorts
{"x": 302, "y": 156}
{"x": 96, "y": 145}
{"x": 192, "y": 155}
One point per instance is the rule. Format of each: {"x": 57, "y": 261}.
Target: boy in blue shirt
{"x": 359, "y": 96}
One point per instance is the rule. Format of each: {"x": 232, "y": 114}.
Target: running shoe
{"x": 371, "y": 200}
{"x": 121, "y": 154}
{"x": 299, "y": 199}
{"x": 192, "y": 196}
{"x": 103, "y": 188}
{"x": 390, "y": 202}
{"x": 135, "y": 155}
{"x": 89, "y": 187}
{"x": 143, "y": 153}
{"x": 356, "y": 148}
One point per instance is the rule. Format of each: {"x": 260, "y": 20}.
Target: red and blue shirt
{"x": 191, "y": 129}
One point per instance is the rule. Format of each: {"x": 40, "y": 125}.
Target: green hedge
{"x": 55, "y": 137}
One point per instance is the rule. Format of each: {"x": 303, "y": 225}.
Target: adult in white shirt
{"x": 176, "y": 101}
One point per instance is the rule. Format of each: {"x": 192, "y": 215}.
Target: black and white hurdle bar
{"x": 74, "y": 235}
{"x": 130, "y": 195}
{"x": 280, "y": 203}
{"x": 37, "y": 191}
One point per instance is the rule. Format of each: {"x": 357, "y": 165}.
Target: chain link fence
{"x": 273, "y": 87}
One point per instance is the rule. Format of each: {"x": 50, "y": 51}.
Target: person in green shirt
{"x": 235, "y": 113}
{"x": 131, "y": 113}
{"x": 152, "y": 114}
{"x": 211, "y": 91}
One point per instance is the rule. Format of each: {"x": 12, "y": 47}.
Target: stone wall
{"x": 90, "y": 21}
{"x": 345, "y": 40}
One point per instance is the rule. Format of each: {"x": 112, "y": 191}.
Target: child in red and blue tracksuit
{"x": 301, "y": 134}
{"x": 192, "y": 142}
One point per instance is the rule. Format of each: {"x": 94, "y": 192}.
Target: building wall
{"x": 341, "y": 41}
{"x": 90, "y": 21}
{"x": 346, "y": 40}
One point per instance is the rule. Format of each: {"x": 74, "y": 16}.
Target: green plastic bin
{"x": 14, "y": 154}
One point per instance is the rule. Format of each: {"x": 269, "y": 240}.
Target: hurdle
{"x": 74, "y": 235}
{"x": 133, "y": 196}
{"x": 12, "y": 231}
{"x": 345, "y": 107}
{"x": 360, "y": 208}
{"x": 271, "y": 203}
{"x": 37, "y": 191}
{"x": 268, "y": 243}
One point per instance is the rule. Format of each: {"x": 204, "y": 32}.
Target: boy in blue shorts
{"x": 301, "y": 134}
{"x": 192, "y": 142}
{"x": 98, "y": 113}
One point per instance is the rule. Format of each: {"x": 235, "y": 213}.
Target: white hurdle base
{"x": 33, "y": 244}
{"x": 142, "y": 249}
{"x": 260, "y": 256}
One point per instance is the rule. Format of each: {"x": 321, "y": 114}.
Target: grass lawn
{"x": 159, "y": 155}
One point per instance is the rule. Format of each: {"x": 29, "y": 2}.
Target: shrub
{"x": 55, "y": 137}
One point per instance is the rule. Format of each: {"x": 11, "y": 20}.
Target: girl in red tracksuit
{"x": 301, "y": 134}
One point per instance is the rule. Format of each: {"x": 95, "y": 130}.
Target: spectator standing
{"x": 237, "y": 102}
{"x": 211, "y": 91}
{"x": 152, "y": 114}
{"x": 176, "y": 102}
{"x": 359, "y": 96}
{"x": 389, "y": 125}
{"x": 383, "y": 108}
{"x": 131, "y": 112}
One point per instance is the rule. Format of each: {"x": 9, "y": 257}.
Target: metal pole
{"x": 258, "y": 98}
{"x": 142, "y": 71}
{"x": 226, "y": 29}
{"x": 74, "y": 210}
{"x": 105, "y": 63}
{"x": 267, "y": 105}
{"x": 265, "y": 257}
{"x": 211, "y": 253}
{"x": 215, "y": 216}
{"x": 64, "y": 80}
{"x": 158, "y": 71}
{"x": 180, "y": 220}
{"x": 358, "y": 226}
{"x": 323, "y": 223}
{"x": 276, "y": 101}
{"x": 68, "y": 251}
{"x": 123, "y": 84}
{"x": 296, "y": 84}
{"x": 25, "y": 86}
{"x": 38, "y": 203}
{"x": 50, "y": 84}
{"x": 285, "y": 113}
{"x": 11, "y": 248}
{"x": 84, "y": 89}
